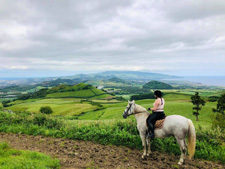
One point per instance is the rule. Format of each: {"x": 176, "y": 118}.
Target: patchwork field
{"x": 176, "y": 103}
{"x": 67, "y": 106}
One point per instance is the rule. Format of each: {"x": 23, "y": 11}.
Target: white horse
{"x": 174, "y": 125}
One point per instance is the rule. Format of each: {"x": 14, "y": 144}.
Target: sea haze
{"x": 206, "y": 80}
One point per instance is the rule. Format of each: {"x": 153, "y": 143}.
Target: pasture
{"x": 66, "y": 107}
{"x": 176, "y": 103}
{"x": 100, "y": 120}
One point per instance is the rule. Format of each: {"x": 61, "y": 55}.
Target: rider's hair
{"x": 158, "y": 93}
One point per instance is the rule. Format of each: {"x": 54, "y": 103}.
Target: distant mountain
{"x": 136, "y": 75}
{"x": 124, "y": 75}
{"x": 80, "y": 90}
{"x": 127, "y": 76}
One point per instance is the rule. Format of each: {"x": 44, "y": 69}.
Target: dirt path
{"x": 81, "y": 154}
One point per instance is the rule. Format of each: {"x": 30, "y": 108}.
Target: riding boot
{"x": 151, "y": 133}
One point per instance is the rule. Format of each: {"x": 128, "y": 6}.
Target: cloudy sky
{"x": 54, "y": 38}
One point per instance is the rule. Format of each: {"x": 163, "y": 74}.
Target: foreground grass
{"x": 13, "y": 159}
{"x": 209, "y": 144}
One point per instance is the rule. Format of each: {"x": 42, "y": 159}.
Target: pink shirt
{"x": 160, "y": 106}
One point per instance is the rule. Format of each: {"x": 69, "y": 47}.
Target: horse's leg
{"x": 143, "y": 139}
{"x": 149, "y": 146}
{"x": 183, "y": 149}
{"x": 185, "y": 145}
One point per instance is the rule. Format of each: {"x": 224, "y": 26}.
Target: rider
{"x": 158, "y": 113}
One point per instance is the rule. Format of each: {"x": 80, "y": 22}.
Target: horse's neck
{"x": 139, "y": 112}
{"x": 138, "y": 109}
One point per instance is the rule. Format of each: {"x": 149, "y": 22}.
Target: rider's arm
{"x": 157, "y": 102}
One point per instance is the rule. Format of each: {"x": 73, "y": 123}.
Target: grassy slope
{"x": 11, "y": 158}
{"x": 77, "y": 94}
{"x": 176, "y": 103}
{"x": 68, "y": 106}
{"x": 202, "y": 92}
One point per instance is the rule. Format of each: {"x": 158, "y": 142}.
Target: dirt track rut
{"x": 75, "y": 154}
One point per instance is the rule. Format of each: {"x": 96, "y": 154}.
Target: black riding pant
{"x": 154, "y": 117}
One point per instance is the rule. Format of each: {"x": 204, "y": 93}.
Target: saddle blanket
{"x": 159, "y": 124}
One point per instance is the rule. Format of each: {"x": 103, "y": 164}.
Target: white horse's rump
{"x": 174, "y": 125}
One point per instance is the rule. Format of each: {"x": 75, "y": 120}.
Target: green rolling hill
{"x": 157, "y": 85}
{"x": 80, "y": 90}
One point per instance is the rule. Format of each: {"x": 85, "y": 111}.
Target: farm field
{"x": 176, "y": 103}
{"x": 87, "y": 93}
{"x": 67, "y": 106}
{"x": 202, "y": 92}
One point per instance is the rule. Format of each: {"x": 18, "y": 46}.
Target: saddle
{"x": 158, "y": 123}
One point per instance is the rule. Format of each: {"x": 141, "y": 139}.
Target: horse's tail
{"x": 191, "y": 139}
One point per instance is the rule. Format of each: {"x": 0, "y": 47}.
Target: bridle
{"x": 127, "y": 114}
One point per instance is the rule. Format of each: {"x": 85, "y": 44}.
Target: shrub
{"x": 53, "y": 123}
{"x": 219, "y": 119}
{"x": 143, "y": 96}
{"x": 5, "y": 103}
{"x": 46, "y": 110}
{"x": 39, "y": 119}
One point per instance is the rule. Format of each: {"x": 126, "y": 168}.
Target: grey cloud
{"x": 192, "y": 9}
{"x": 101, "y": 35}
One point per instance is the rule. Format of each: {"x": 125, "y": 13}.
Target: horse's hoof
{"x": 180, "y": 163}
{"x": 148, "y": 155}
{"x": 143, "y": 157}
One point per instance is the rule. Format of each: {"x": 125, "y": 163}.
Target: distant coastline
{"x": 205, "y": 80}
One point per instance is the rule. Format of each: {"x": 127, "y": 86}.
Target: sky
{"x": 42, "y": 38}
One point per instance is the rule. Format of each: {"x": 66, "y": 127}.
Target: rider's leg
{"x": 152, "y": 135}
{"x": 151, "y": 121}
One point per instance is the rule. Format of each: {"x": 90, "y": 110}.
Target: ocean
{"x": 206, "y": 80}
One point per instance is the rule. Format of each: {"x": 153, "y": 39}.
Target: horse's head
{"x": 129, "y": 109}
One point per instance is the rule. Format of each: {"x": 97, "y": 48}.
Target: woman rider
{"x": 157, "y": 111}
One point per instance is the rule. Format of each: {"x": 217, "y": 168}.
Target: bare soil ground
{"x": 75, "y": 154}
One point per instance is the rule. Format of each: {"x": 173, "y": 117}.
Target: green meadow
{"x": 99, "y": 119}
{"x": 13, "y": 159}
{"x": 66, "y": 107}
{"x": 106, "y": 109}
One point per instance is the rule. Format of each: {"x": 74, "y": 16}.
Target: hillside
{"x": 157, "y": 85}
{"x": 80, "y": 90}
{"x": 117, "y": 80}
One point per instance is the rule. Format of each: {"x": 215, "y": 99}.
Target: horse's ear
{"x": 128, "y": 101}
{"x": 133, "y": 101}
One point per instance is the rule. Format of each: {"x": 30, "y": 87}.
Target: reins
{"x": 140, "y": 112}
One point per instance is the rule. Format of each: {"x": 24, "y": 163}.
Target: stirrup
{"x": 151, "y": 135}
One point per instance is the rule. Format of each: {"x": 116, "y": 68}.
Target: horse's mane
{"x": 139, "y": 108}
